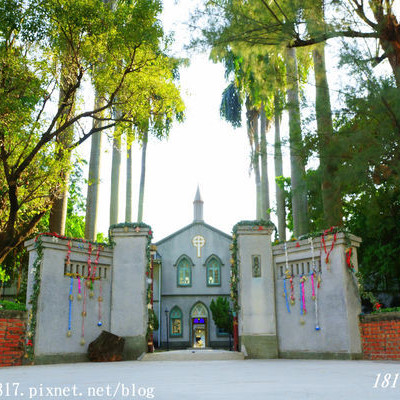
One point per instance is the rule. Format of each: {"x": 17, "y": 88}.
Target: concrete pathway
{"x": 203, "y": 380}
{"x": 193, "y": 355}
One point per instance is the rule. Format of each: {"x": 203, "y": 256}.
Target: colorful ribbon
{"x": 100, "y": 299}
{"x": 83, "y": 315}
{"x": 348, "y": 258}
{"x": 324, "y": 244}
{"x": 70, "y": 303}
{"x": 312, "y": 285}
{"x": 286, "y": 296}
{"x": 301, "y": 299}
{"x": 292, "y": 298}
{"x": 68, "y": 260}
{"x": 89, "y": 261}
{"x": 96, "y": 261}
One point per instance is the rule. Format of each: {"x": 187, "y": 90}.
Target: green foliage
{"x": 231, "y": 106}
{"x": 50, "y": 45}
{"x": 370, "y": 174}
{"x": 285, "y": 184}
{"x": 4, "y": 277}
{"x": 374, "y": 216}
{"x": 153, "y": 324}
{"x": 387, "y": 310}
{"x": 75, "y": 221}
{"x": 221, "y": 314}
{"x": 10, "y": 305}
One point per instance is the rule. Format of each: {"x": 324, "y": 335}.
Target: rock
{"x": 107, "y": 347}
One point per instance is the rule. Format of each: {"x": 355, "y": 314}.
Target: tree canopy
{"x": 48, "y": 44}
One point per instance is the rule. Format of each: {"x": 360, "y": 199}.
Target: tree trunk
{"x": 115, "y": 173}
{"x": 265, "y": 125}
{"x": 280, "y": 194}
{"x": 142, "y": 177}
{"x": 330, "y": 185}
{"x": 297, "y": 161}
{"x": 252, "y": 132}
{"x": 94, "y": 180}
{"x": 390, "y": 40}
{"x": 128, "y": 205}
{"x": 58, "y": 212}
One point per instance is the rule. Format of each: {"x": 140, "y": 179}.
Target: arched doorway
{"x": 199, "y": 326}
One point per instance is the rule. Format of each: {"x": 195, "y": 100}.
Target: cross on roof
{"x": 198, "y": 242}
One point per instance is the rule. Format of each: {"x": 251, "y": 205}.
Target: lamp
{"x": 167, "y": 324}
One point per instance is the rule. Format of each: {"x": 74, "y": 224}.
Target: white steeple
{"x": 198, "y": 207}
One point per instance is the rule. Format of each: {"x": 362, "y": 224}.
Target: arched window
{"x": 213, "y": 265}
{"x": 175, "y": 321}
{"x": 184, "y": 271}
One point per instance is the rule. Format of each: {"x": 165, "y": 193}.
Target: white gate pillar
{"x": 257, "y": 318}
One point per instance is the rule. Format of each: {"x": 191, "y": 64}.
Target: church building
{"x": 192, "y": 267}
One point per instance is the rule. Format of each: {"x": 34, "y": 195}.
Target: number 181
{"x": 386, "y": 381}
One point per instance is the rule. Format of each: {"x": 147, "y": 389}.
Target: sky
{"x": 203, "y": 150}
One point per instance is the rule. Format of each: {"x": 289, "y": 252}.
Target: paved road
{"x": 203, "y": 380}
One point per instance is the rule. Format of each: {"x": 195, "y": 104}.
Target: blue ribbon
{"x": 70, "y": 303}
{"x": 301, "y": 298}
{"x": 286, "y": 297}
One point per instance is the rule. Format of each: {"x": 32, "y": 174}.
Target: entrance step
{"x": 192, "y": 355}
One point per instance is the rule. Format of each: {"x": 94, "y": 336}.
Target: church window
{"x": 176, "y": 322}
{"x": 213, "y": 272}
{"x": 184, "y": 272}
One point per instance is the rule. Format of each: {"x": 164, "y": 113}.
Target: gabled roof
{"x": 187, "y": 227}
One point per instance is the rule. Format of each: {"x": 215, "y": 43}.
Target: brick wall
{"x": 380, "y": 335}
{"x": 12, "y": 337}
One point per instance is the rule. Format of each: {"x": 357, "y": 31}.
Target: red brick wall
{"x": 12, "y": 337}
{"x": 380, "y": 335}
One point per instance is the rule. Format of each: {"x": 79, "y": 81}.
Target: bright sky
{"x": 204, "y": 150}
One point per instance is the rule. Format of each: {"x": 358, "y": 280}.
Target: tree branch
{"x": 330, "y": 35}
{"x": 271, "y": 12}
{"x": 359, "y": 9}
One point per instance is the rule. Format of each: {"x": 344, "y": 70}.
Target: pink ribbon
{"x": 312, "y": 285}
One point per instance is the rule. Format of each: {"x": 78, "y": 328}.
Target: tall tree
{"x": 297, "y": 158}
{"x": 280, "y": 192}
{"x": 329, "y": 161}
{"x": 115, "y": 177}
{"x": 265, "y": 124}
{"x": 94, "y": 176}
{"x": 142, "y": 175}
{"x": 33, "y": 34}
{"x": 128, "y": 204}
{"x": 58, "y": 213}
{"x": 281, "y": 23}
